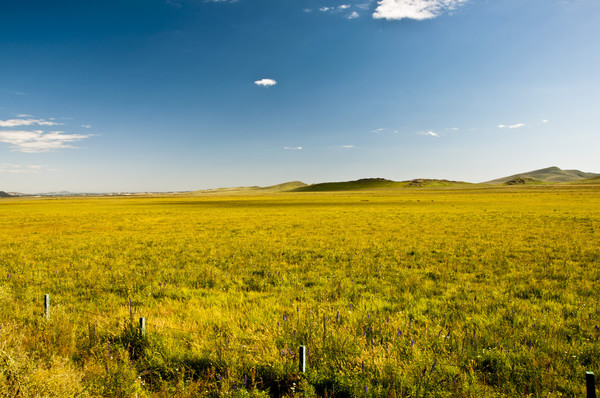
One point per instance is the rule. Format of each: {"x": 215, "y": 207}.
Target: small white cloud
{"x": 344, "y": 6}
{"x": 324, "y": 9}
{"x": 265, "y": 82}
{"x": 353, "y": 15}
{"x": 378, "y": 131}
{"x": 347, "y": 146}
{"x": 26, "y": 122}
{"x": 511, "y": 126}
{"x": 454, "y": 128}
{"x": 86, "y": 126}
{"x": 293, "y": 148}
{"x": 545, "y": 121}
{"x": 429, "y": 133}
{"x": 18, "y": 169}
{"x": 307, "y": 10}
{"x": 40, "y": 141}
{"x": 414, "y": 9}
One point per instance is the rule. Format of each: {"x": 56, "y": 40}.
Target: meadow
{"x": 464, "y": 292}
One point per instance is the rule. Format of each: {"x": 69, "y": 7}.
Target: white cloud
{"x": 511, "y": 126}
{"x": 307, "y": 10}
{"x": 86, "y": 126}
{"x": 26, "y": 122}
{"x": 377, "y": 131}
{"x": 18, "y": 169}
{"x": 40, "y": 141}
{"x": 429, "y": 133}
{"x": 347, "y": 146}
{"x": 414, "y": 9}
{"x": 545, "y": 121}
{"x": 324, "y": 9}
{"x": 293, "y": 148}
{"x": 265, "y": 82}
{"x": 353, "y": 15}
{"x": 344, "y": 6}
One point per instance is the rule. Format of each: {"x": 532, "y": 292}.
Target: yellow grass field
{"x": 464, "y": 292}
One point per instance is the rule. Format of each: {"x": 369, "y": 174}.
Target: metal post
{"x": 143, "y": 326}
{"x": 591, "y": 384}
{"x": 47, "y": 306}
{"x": 302, "y": 358}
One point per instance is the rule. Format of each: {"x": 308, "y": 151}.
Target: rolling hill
{"x": 376, "y": 183}
{"x": 549, "y": 174}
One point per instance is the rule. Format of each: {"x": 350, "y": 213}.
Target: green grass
{"x": 486, "y": 291}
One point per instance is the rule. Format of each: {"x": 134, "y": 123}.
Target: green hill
{"x": 376, "y": 183}
{"x": 592, "y": 180}
{"x": 286, "y": 186}
{"x": 549, "y": 174}
{"x": 364, "y": 183}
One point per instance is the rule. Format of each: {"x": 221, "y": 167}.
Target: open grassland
{"x": 409, "y": 293}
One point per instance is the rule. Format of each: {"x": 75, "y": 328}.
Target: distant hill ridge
{"x": 4, "y": 194}
{"x": 377, "y": 183}
{"x": 549, "y": 174}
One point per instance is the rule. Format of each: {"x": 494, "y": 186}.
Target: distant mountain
{"x": 376, "y": 183}
{"x": 4, "y": 194}
{"x": 549, "y": 174}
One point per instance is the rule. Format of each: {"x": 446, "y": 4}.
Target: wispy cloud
{"x": 265, "y": 82}
{"x": 511, "y": 126}
{"x": 414, "y": 9}
{"x": 545, "y": 121}
{"x": 26, "y": 122}
{"x": 40, "y": 141}
{"x": 18, "y": 169}
{"x": 429, "y": 133}
{"x": 86, "y": 126}
{"x": 347, "y": 146}
{"x": 293, "y": 148}
{"x": 378, "y": 131}
{"x": 340, "y": 9}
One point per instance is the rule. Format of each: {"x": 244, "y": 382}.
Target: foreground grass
{"x": 468, "y": 293}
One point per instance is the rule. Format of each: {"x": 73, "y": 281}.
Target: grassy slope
{"x": 549, "y": 174}
{"x": 593, "y": 180}
{"x": 376, "y": 183}
{"x": 286, "y": 186}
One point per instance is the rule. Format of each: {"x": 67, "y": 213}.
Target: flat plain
{"x": 442, "y": 292}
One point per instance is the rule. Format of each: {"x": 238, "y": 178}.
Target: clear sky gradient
{"x": 162, "y": 95}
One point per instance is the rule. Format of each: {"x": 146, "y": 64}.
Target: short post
{"x": 302, "y": 358}
{"x": 591, "y": 384}
{"x": 47, "y": 306}
{"x": 143, "y": 326}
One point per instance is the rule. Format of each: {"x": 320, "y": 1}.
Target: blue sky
{"x": 161, "y": 95}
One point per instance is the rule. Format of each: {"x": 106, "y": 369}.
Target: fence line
{"x": 302, "y": 350}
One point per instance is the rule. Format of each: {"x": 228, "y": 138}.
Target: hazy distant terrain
{"x": 549, "y": 175}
